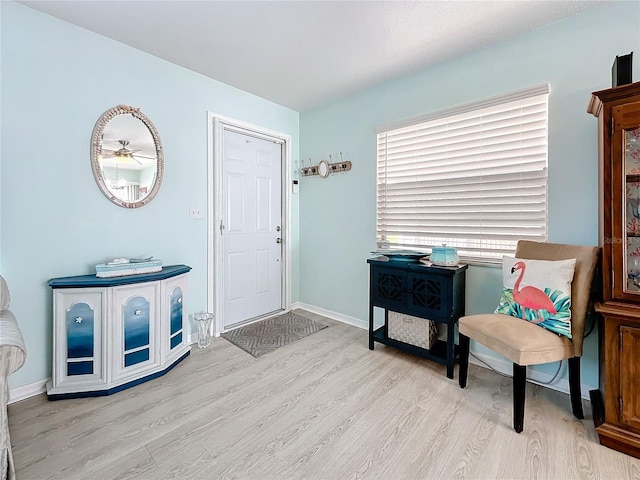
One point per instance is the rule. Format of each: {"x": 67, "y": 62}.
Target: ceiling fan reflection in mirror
{"x": 123, "y": 154}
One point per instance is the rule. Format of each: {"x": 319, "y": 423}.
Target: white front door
{"x": 251, "y": 227}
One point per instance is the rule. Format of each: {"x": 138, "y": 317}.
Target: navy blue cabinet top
{"x": 85, "y": 281}
{"x": 417, "y": 267}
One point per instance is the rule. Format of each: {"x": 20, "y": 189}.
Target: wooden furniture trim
{"x": 629, "y": 379}
{"x": 609, "y": 95}
{"x": 619, "y": 439}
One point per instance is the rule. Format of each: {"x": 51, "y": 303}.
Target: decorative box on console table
{"x": 113, "y": 333}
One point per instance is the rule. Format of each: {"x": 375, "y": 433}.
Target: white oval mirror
{"x": 126, "y": 157}
{"x": 323, "y": 168}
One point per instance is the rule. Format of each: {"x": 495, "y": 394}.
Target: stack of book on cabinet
{"x": 120, "y": 267}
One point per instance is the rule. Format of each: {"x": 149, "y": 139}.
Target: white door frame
{"x": 215, "y": 127}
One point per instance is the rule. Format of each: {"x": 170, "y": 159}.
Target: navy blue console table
{"x": 113, "y": 333}
{"x": 430, "y": 292}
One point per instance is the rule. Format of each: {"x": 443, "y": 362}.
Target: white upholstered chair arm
{"x": 12, "y": 349}
{"x": 12, "y": 356}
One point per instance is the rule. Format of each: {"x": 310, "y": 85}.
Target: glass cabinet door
{"x": 626, "y": 146}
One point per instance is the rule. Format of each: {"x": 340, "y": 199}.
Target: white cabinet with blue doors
{"x": 113, "y": 333}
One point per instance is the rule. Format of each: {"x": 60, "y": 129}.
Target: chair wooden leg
{"x": 463, "y": 342}
{"x": 519, "y": 390}
{"x": 574, "y": 387}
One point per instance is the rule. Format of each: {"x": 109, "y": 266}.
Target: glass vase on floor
{"x": 203, "y": 322}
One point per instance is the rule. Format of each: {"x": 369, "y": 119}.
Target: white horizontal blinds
{"x": 475, "y": 180}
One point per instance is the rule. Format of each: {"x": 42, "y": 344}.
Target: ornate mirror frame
{"x": 97, "y": 154}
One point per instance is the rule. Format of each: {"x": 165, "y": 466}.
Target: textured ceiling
{"x": 304, "y": 54}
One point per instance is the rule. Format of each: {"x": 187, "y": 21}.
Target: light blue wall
{"x": 337, "y": 215}
{"x": 56, "y": 81}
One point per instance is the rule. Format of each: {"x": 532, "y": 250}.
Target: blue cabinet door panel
{"x": 80, "y": 331}
{"x": 176, "y": 340}
{"x": 176, "y": 310}
{"x": 79, "y": 368}
{"x": 136, "y": 323}
{"x": 136, "y": 357}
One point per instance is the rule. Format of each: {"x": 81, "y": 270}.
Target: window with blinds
{"x": 473, "y": 177}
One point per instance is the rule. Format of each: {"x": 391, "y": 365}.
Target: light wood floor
{"x": 324, "y": 408}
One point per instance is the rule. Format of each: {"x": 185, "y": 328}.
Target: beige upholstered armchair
{"x": 12, "y": 357}
{"x": 525, "y": 343}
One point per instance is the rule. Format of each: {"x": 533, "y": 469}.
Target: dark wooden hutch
{"x": 616, "y": 405}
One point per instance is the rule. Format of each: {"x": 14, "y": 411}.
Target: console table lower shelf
{"x": 437, "y": 353}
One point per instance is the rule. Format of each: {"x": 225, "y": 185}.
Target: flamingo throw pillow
{"x": 538, "y": 291}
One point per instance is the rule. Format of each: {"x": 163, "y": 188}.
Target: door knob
{"x": 278, "y": 240}
{"x": 278, "y": 228}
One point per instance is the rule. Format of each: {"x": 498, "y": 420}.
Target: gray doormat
{"x": 267, "y": 335}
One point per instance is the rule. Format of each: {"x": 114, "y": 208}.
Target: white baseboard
{"x": 503, "y": 366}
{"x": 356, "y": 322}
{"x": 561, "y": 384}
{"x": 26, "y": 391}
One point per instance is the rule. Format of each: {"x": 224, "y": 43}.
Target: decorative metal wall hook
{"x": 325, "y": 168}
{"x": 308, "y": 171}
